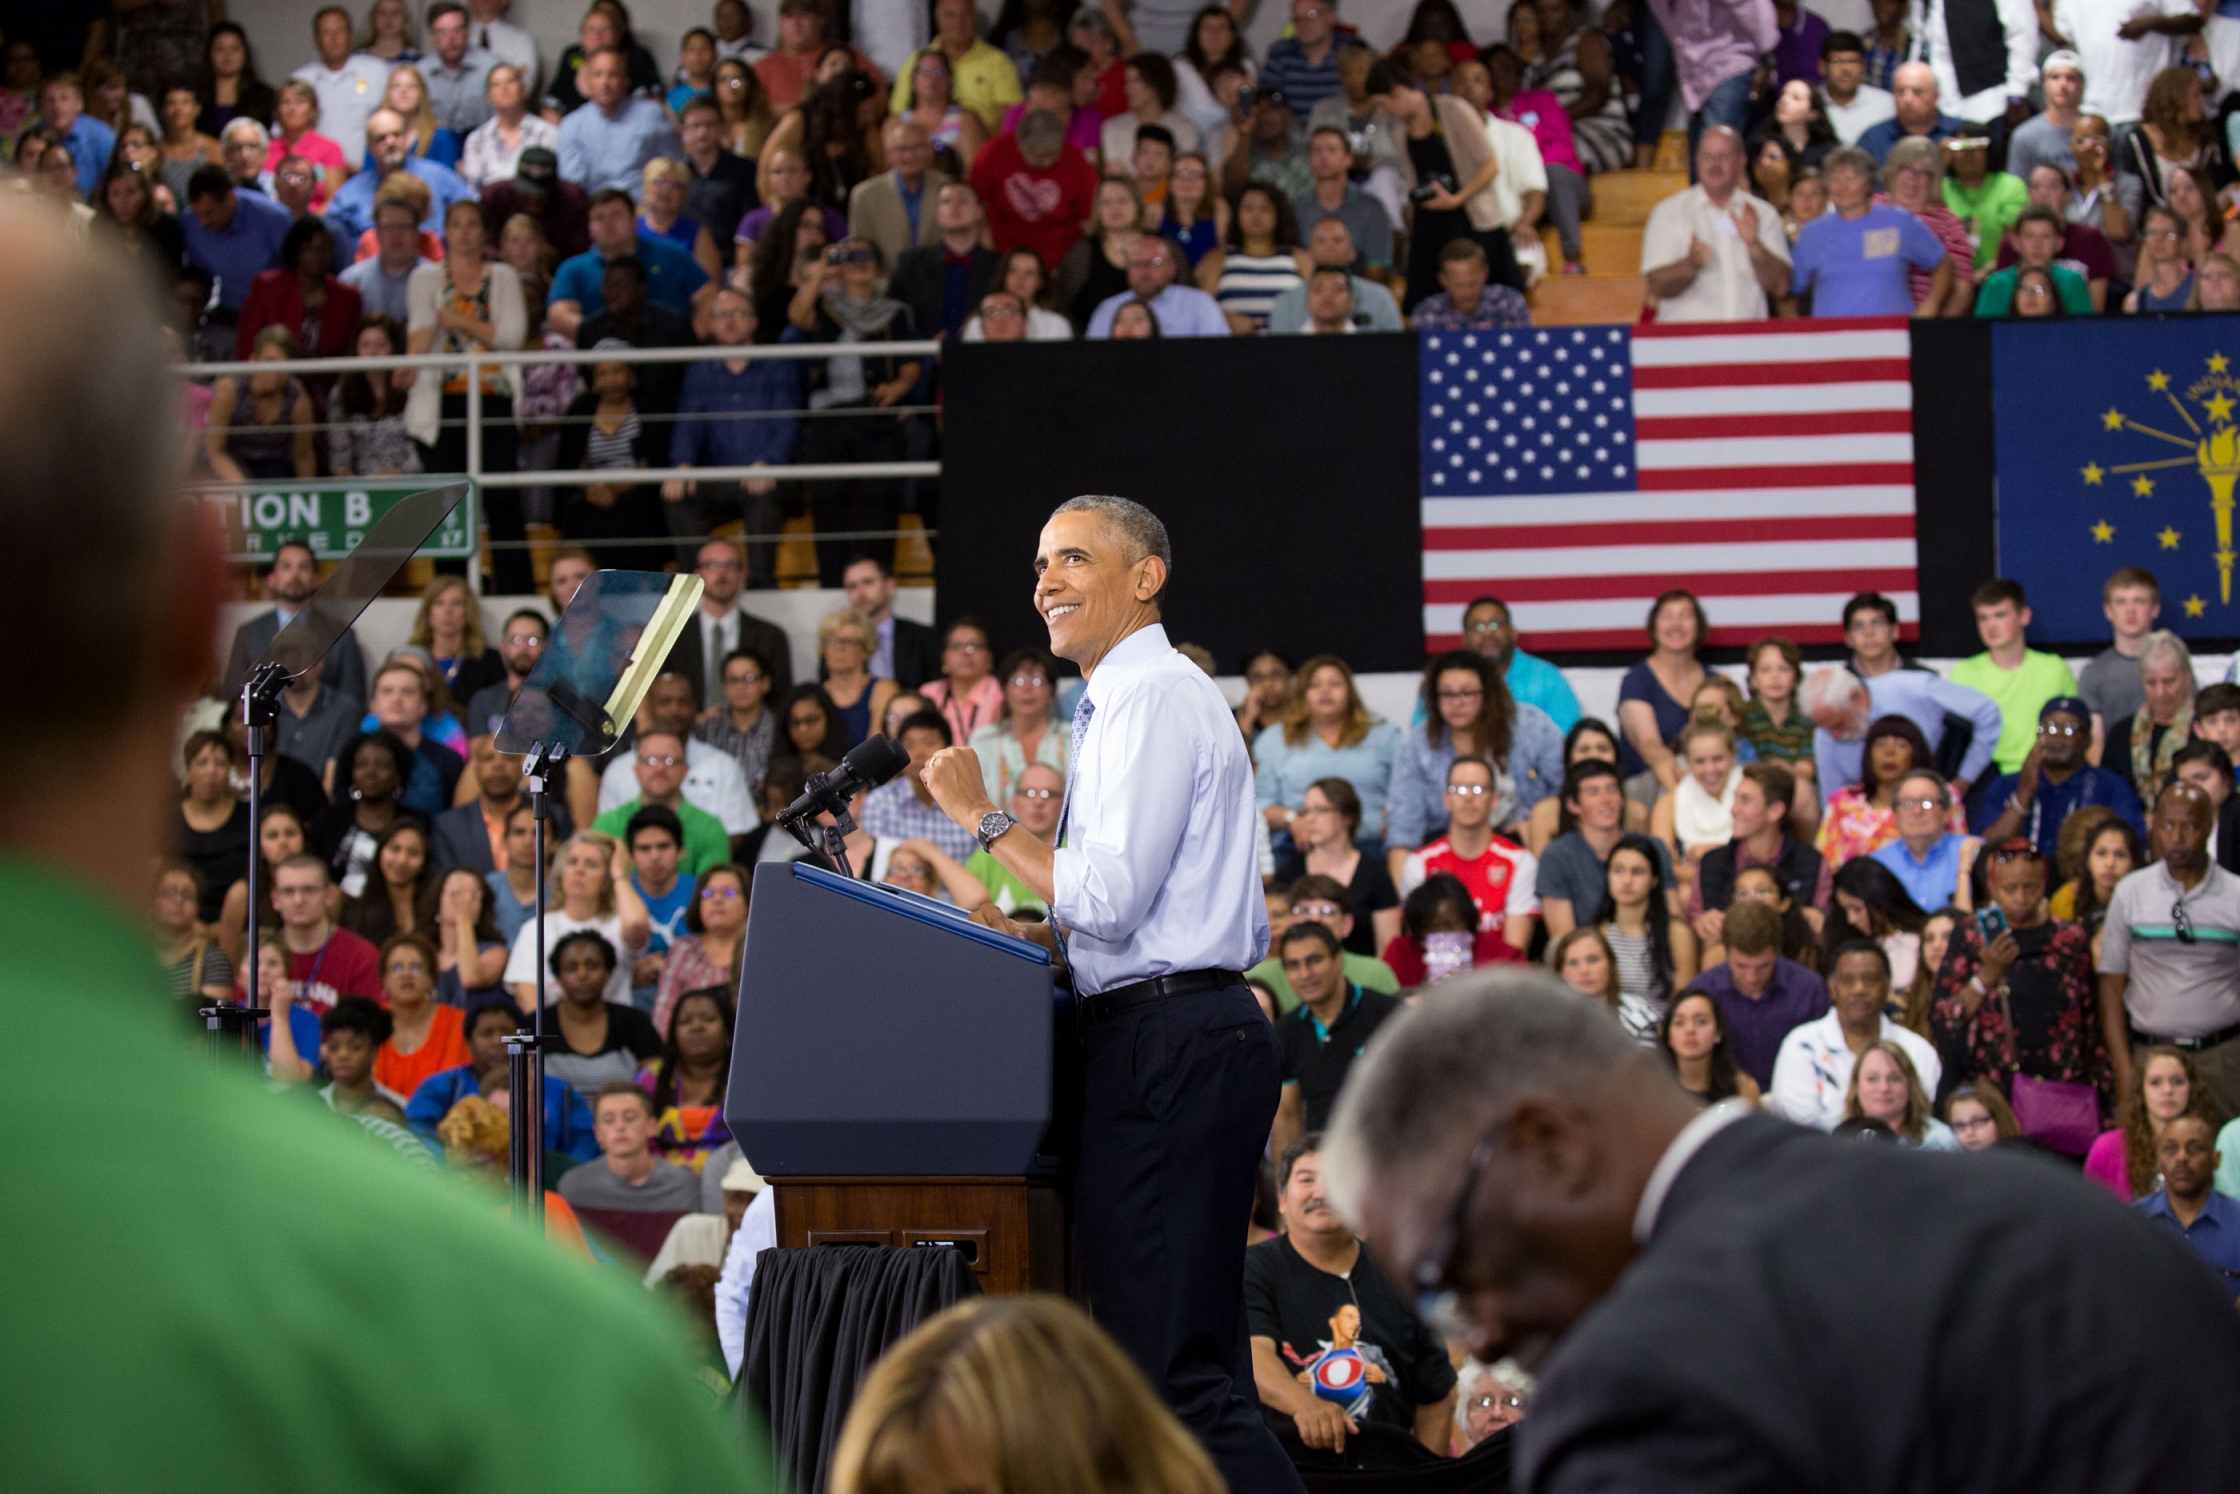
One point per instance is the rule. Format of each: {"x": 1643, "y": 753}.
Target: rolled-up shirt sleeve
{"x": 1978, "y": 708}
{"x": 1105, "y": 882}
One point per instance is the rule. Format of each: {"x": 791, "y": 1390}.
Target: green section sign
{"x": 334, "y": 517}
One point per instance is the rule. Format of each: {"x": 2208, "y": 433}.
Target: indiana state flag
{"x": 2117, "y": 445}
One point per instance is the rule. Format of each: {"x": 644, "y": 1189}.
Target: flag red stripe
{"x": 1777, "y": 329}
{"x": 1673, "y": 532}
{"x": 1707, "y": 584}
{"x": 1713, "y": 479}
{"x": 1541, "y": 641}
{"x": 1802, "y": 423}
{"x": 1840, "y": 371}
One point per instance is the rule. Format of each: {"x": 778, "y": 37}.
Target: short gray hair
{"x": 89, "y": 505}
{"x": 1914, "y": 150}
{"x": 1850, "y": 158}
{"x": 1139, "y": 528}
{"x": 243, "y": 125}
{"x": 1474, "y": 1046}
{"x": 2162, "y": 643}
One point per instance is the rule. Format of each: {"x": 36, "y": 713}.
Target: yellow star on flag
{"x": 2113, "y": 420}
{"x": 2218, "y": 362}
{"x": 2219, "y": 406}
{"x": 2104, "y": 533}
{"x": 2143, "y": 485}
{"x": 2158, "y": 381}
{"x": 2169, "y": 538}
{"x": 2093, "y": 472}
{"x": 2195, "y": 606}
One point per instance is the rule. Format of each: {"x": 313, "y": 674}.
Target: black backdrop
{"x": 1286, "y": 469}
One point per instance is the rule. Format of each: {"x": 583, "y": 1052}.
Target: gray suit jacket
{"x": 875, "y": 212}
{"x": 346, "y": 661}
{"x": 459, "y": 839}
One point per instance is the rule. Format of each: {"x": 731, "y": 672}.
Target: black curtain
{"x": 1955, "y": 481}
{"x": 817, "y": 1320}
{"x": 1285, "y": 469}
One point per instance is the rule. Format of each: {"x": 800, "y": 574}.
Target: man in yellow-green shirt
{"x": 213, "y": 1287}
{"x": 2018, "y": 677}
{"x": 1987, "y": 201}
{"x": 981, "y": 77}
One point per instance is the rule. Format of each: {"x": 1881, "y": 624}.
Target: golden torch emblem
{"x": 2211, "y": 443}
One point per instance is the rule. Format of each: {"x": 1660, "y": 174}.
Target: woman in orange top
{"x": 428, "y": 1036}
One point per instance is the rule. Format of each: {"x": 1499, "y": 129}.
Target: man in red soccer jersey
{"x": 1499, "y": 873}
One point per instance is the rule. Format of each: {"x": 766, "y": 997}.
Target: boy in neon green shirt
{"x": 2018, "y": 677}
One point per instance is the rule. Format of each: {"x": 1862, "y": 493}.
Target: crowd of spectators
{"x": 2083, "y": 167}
{"x": 1855, "y": 893}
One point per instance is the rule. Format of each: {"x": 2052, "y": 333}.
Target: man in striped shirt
{"x": 1304, "y": 65}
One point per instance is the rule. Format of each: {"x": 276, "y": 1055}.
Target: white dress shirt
{"x": 348, "y": 95}
{"x": 2019, "y": 18}
{"x": 713, "y": 781}
{"x": 1812, "y": 1071}
{"x": 1159, "y": 872}
{"x": 511, "y": 43}
{"x": 757, "y": 1232}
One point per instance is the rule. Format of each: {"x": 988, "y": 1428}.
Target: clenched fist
{"x": 952, "y": 776}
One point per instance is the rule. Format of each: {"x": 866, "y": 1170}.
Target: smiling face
{"x": 403, "y": 859}
{"x": 1710, "y": 760}
{"x": 1088, "y": 590}
{"x": 1883, "y": 1091}
{"x": 1674, "y": 627}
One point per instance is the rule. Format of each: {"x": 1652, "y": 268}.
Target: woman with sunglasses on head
{"x": 2016, "y": 994}
{"x": 708, "y": 955}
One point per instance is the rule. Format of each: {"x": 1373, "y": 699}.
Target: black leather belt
{"x": 2207, "y": 1040}
{"x": 1106, "y": 1005}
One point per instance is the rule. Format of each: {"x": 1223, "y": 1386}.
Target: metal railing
{"x": 473, "y": 365}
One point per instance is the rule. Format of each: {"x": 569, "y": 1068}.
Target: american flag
{"x": 1578, "y": 472}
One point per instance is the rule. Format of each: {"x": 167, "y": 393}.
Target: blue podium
{"x": 891, "y": 1074}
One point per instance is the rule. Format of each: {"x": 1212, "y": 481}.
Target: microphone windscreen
{"x": 875, "y": 760}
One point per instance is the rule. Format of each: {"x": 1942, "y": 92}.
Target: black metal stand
{"x": 525, "y": 1046}
{"x": 834, "y": 836}
{"x": 234, "y": 1023}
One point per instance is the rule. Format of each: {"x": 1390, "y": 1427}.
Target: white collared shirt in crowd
{"x": 712, "y": 781}
{"x": 1160, "y": 869}
{"x": 1812, "y": 1072}
{"x": 1728, "y": 289}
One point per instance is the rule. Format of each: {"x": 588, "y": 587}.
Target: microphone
{"x": 872, "y": 763}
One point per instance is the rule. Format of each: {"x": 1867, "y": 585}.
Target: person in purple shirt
{"x": 1761, "y": 992}
{"x": 1715, "y": 50}
{"x": 1853, "y": 259}
{"x": 1797, "y": 54}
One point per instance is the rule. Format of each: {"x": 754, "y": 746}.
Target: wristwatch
{"x": 992, "y": 827}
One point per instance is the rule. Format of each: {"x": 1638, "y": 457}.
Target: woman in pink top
{"x": 2164, "y": 1085}
{"x": 967, "y": 692}
{"x": 298, "y": 135}
{"x": 1543, "y": 114}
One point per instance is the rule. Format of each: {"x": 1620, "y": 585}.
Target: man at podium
{"x": 1154, "y": 891}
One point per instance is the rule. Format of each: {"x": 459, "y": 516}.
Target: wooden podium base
{"x": 1013, "y": 1234}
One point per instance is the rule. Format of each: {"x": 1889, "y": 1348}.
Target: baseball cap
{"x": 742, "y": 1178}
{"x": 2062, "y": 58}
{"x": 2070, "y": 704}
{"x": 537, "y": 169}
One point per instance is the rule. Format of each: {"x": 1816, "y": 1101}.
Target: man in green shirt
{"x": 1318, "y": 899}
{"x": 217, "y": 1287}
{"x": 2037, "y": 239}
{"x": 1987, "y": 201}
{"x": 2019, "y": 678}
{"x": 661, "y": 769}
